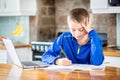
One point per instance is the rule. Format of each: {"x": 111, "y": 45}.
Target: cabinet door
{"x": 28, "y": 7}
{"x": 17, "y": 7}
{"x": 98, "y": 4}
{"x": 3, "y": 56}
{"x": 1, "y": 5}
{"x": 11, "y": 6}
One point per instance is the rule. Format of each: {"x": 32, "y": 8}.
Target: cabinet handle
{"x": 4, "y": 5}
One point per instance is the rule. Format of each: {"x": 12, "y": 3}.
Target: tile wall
{"x": 8, "y": 24}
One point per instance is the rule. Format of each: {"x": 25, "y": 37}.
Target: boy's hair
{"x": 78, "y": 14}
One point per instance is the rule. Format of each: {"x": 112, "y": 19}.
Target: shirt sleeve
{"x": 53, "y": 52}
{"x": 96, "y": 54}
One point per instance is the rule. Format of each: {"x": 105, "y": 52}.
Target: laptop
{"x": 15, "y": 59}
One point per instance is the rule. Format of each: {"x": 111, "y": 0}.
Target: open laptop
{"x": 15, "y": 59}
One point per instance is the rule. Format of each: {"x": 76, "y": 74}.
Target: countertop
{"x": 2, "y": 47}
{"x": 107, "y": 50}
{"x": 111, "y": 51}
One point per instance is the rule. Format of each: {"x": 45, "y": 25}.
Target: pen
{"x": 62, "y": 51}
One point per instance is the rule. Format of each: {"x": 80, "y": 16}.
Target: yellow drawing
{"x": 18, "y": 30}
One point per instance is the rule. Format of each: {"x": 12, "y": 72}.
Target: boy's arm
{"x": 51, "y": 54}
{"x": 96, "y": 54}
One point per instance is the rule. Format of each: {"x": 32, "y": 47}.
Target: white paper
{"x": 77, "y": 67}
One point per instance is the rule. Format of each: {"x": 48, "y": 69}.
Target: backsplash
{"x": 51, "y": 18}
{"x": 8, "y": 24}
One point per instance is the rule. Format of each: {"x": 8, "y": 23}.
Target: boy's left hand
{"x": 87, "y": 25}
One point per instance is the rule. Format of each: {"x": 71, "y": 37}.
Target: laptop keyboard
{"x": 29, "y": 64}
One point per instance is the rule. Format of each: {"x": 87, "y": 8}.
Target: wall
{"x": 105, "y": 23}
{"x": 8, "y": 24}
{"x": 45, "y": 20}
{"x": 62, "y": 7}
{"x": 118, "y": 31}
{"x": 52, "y": 14}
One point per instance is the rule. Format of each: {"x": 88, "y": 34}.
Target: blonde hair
{"x": 78, "y": 15}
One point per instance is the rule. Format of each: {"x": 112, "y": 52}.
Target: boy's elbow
{"x": 97, "y": 61}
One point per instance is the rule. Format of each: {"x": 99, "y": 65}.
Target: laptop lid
{"x": 15, "y": 59}
{"x": 11, "y": 52}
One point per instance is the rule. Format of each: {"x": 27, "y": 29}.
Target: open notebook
{"x": 15, "y": 59}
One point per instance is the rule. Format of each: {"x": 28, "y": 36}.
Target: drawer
{"x": 3, "y": 61}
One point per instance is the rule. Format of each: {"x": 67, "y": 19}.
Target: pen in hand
{"x": 63, "y": 61}
{"x": 62, "y": 52}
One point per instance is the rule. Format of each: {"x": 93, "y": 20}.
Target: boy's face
{"x": 77, "y": 30}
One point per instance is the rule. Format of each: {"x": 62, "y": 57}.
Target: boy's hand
{"x": 63, "y": 62}
{"x": 87, "y": 25}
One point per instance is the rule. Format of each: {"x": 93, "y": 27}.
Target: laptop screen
{"x": 11, "y": 52}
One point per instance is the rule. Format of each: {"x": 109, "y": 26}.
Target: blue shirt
{"x": 90, "y": 53}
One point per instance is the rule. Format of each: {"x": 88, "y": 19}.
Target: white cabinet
{"x": 8, "y": 6}
{"x": 3, "y": 56}
{"x": 17, "y": 7}
{"x": 112, "y": 61}
{"x": 28, "y": 7}
{"x": 102, "y": 6}
{"x": 98, "y": 4}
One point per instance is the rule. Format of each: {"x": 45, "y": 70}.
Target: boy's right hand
{"x": 63, "y": 62}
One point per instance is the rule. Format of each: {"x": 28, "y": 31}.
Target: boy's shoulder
{"x": 66, "y": 33}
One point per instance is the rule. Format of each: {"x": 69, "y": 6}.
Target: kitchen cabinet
{"x": 17, "y": 7}
{"x": 98, "y": 4}
{"x": 102, "y": 6}
{"x": 3, "y": 56}
{"x": 7, "y": 6}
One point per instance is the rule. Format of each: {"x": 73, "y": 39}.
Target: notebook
{"x": 15, "y": 58}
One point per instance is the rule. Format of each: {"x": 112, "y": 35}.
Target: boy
{"x": 81, "y": 45}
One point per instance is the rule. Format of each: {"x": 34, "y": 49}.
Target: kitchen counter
{"x": 108, "y": 51}
{"x": 2, "y": 47}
